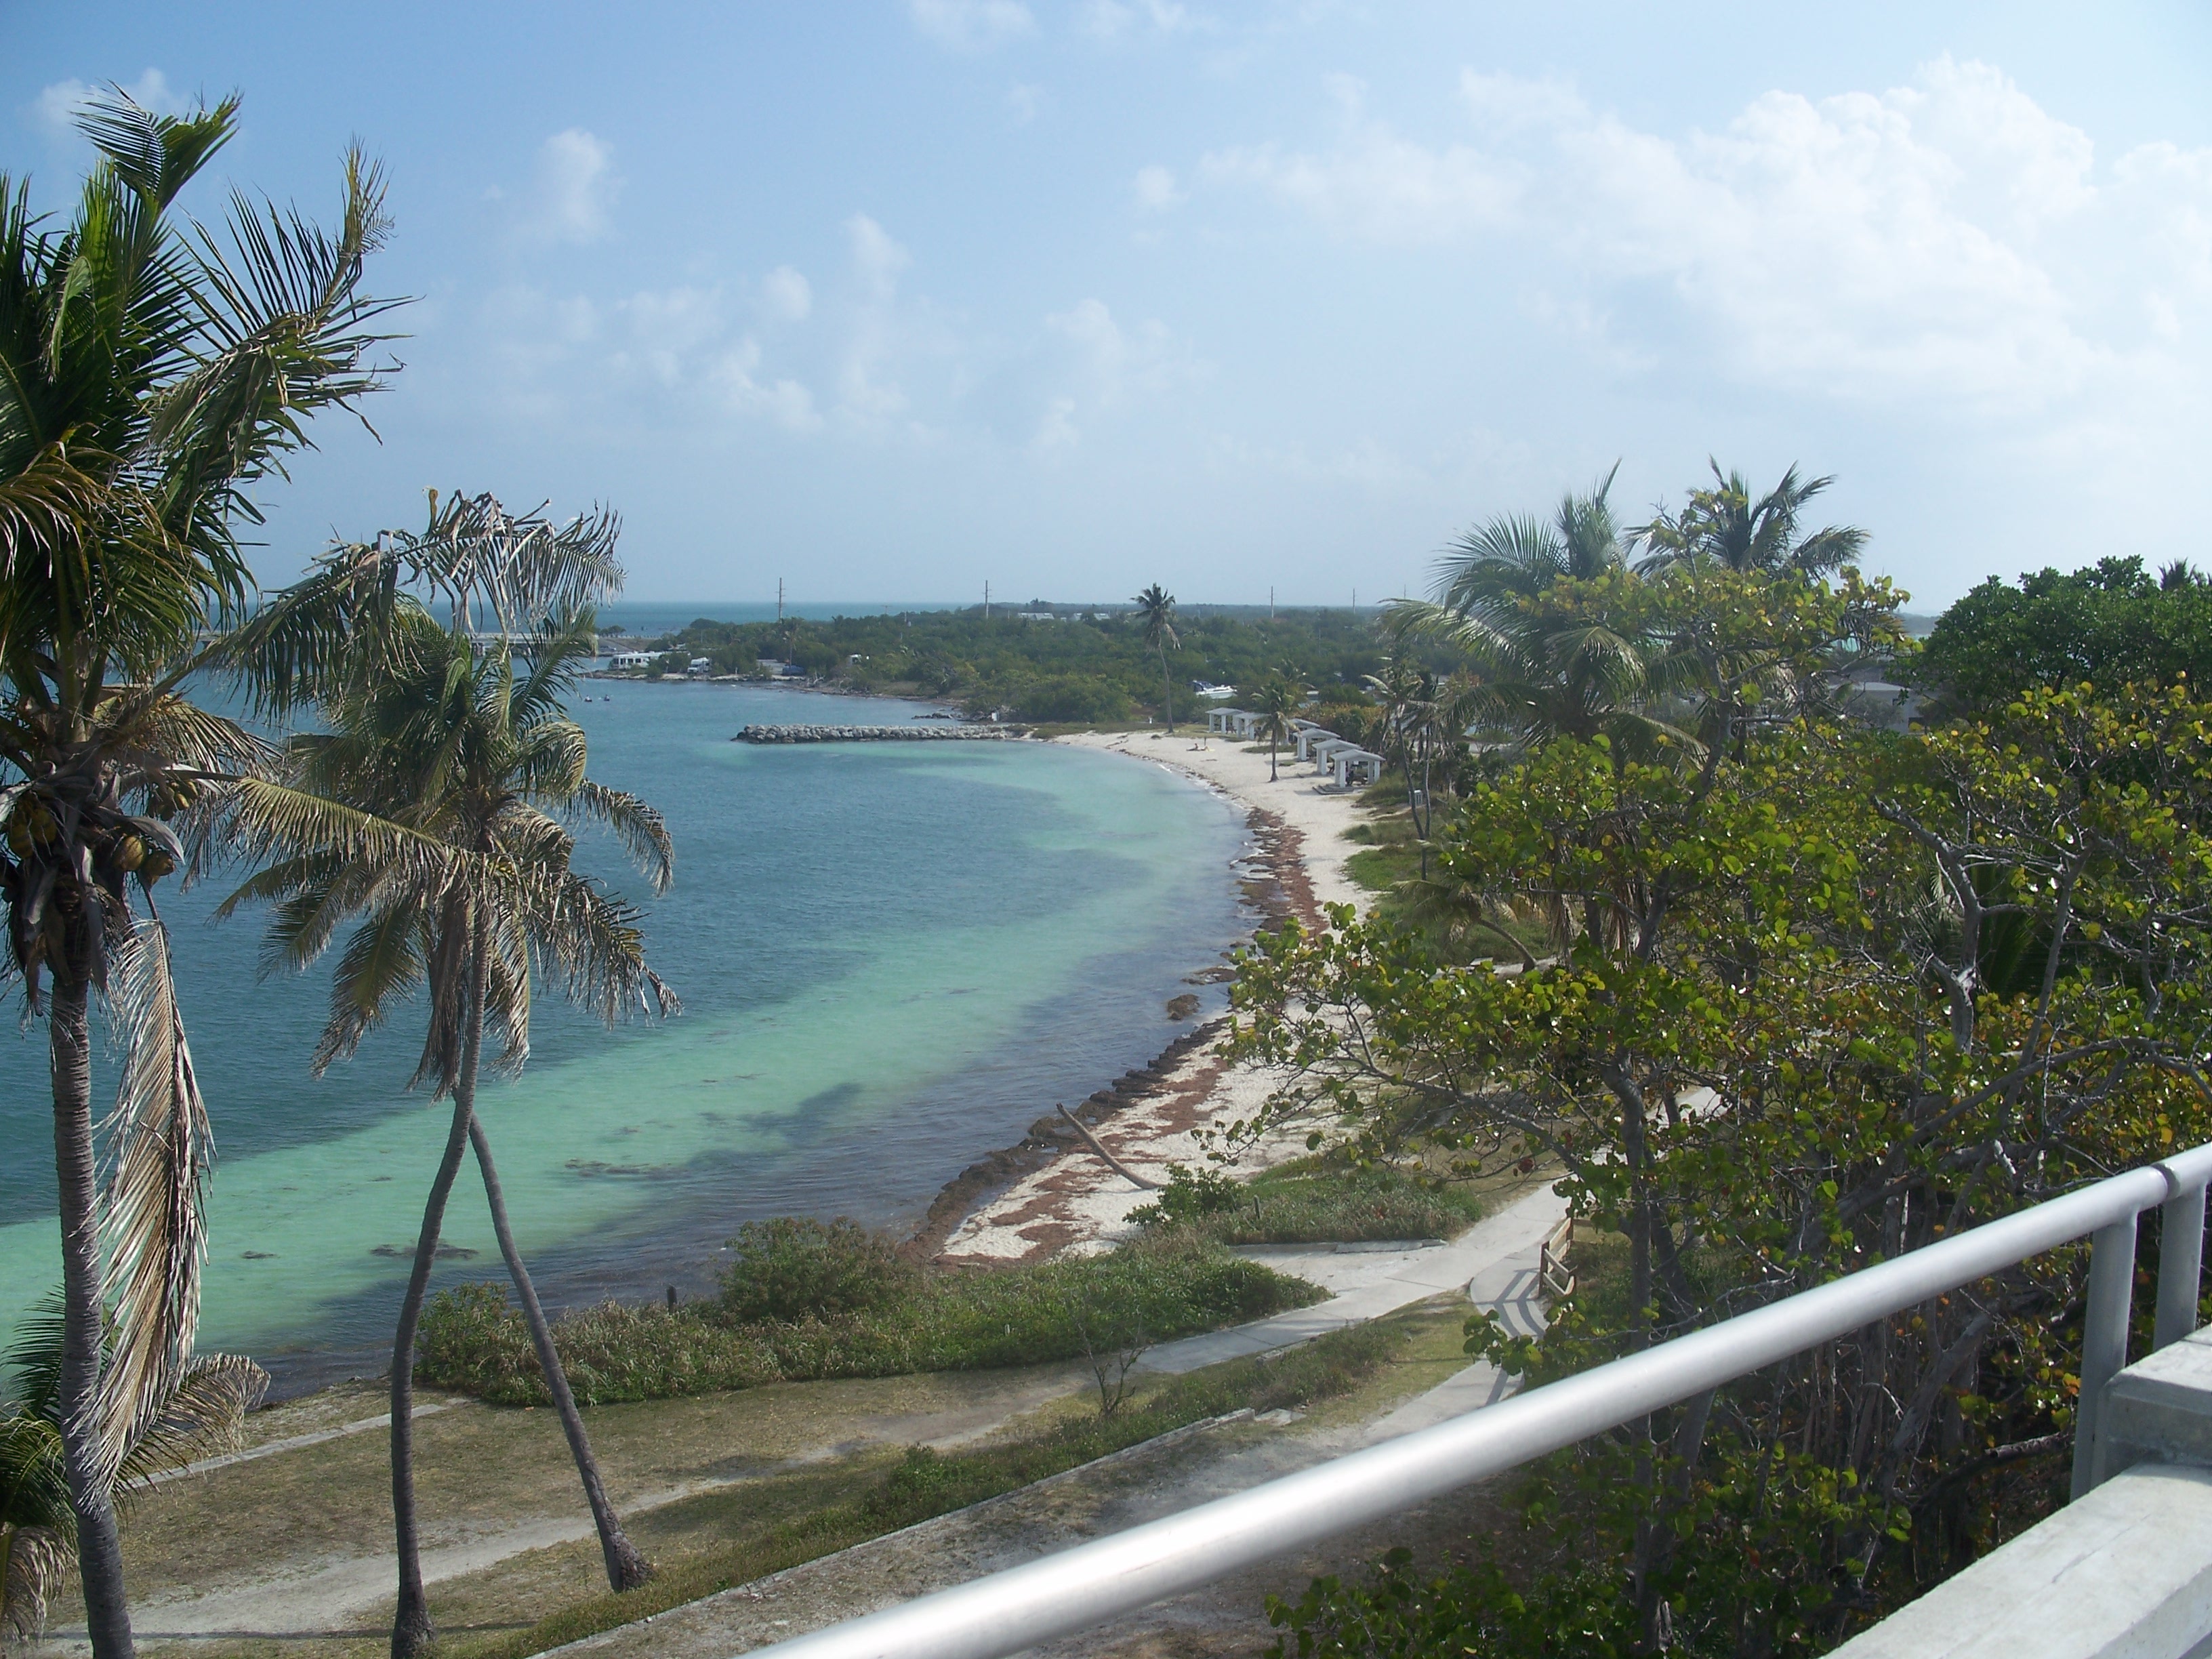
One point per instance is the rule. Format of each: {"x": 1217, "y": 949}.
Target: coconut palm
{"x": 198, "y": 1415}
{"x": 1529, "y": 604}
{"x": 1724, "y": 525}
{"x": 471, "y": 747}
{"x": 1278, "y": 700}
{"x": 1156, "y": 609}
{"x": 149, "y": 380}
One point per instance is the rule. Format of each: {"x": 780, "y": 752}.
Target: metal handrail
{"x": 1008, "y": 1611}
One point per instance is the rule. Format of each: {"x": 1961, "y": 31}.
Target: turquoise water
{"x": 893, "y": 957}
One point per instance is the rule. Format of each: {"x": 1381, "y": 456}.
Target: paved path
{"x": 1369, "y": 1282}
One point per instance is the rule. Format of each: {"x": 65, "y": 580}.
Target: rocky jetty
{"x": 877, "y": 734}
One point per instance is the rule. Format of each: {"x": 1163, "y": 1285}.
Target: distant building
{"x": 622, "y": 660}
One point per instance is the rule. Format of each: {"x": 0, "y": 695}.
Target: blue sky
{"x": 890, "y": 299}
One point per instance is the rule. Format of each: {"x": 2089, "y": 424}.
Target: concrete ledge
{"x": 2159, "y": 1409}
{"x": 2123, "y": 1573}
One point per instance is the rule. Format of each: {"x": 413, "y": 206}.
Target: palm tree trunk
{"x": 1167, "y": 688}
{"x": 411, "y": 1630}
{"x": 626, "y": 1568}
{"x": 99, "y": 1546}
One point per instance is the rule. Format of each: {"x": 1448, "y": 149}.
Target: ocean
{"x": 893, "y": 957}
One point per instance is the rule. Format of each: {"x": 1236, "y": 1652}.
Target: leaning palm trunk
{"x": 100, "y": 1549}
{"x": 626, "y": 1568}
{"x": 412, "y": 1632}
{"x": 1167, "y": 689}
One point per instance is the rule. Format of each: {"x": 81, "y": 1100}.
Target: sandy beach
{"x": 1061, "y": 1194}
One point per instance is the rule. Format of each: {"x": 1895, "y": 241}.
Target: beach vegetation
{"x": 1162, "y": 1287}
{"x": 1329, "y": 1200}
{"x": 155, "y": 374}
{"x": 1816, "y": 993}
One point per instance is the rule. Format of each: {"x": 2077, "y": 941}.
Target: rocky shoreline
{"x": 1275, "y": 884}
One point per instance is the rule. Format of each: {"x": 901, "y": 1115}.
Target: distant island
{"x": 1038, "y": 662}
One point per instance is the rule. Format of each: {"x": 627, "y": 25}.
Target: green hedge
{"x": 1159, "y": 1287}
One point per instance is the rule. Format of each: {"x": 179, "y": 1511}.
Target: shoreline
{"x": 1050, "y": 1191}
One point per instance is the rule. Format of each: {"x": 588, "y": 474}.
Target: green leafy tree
{"x": 152, "y": 381}
{"x": 1824, "y": 994}
{"x": 467, "y": 750}
{"x": 2110, "y": 624}
{"x": 1156, "y": 610}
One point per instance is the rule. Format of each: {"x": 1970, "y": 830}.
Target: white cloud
{"x": 1108, "y": 20}
{"x": 1948, "y": 242}
{"x": 574, "y": 192}
{"x": 863, "y": 389}
{"x": 971, "y": 24}
{"x": 1374, "y": 185}
{"x": 1156, "y": 189}
{"x": 1057, "y": 429}
{"x": 55, "y": 106}
{"x": 787, "y": 294}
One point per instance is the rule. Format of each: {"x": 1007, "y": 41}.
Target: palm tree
{"x": 1548, "y": 658}
{"x": 1723, "y": 525}
{"x": 197, "y": 1416}
{"x": 470, "y": 747}
{"x": 1276, "y": 702}
{"x": 148, "y": 383}
{"x": 1156, "y": 615}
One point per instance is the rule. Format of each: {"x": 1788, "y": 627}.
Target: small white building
{"x": 1310, "y": 737}
{"x": 627, "y": 659}
{"x": 1354, "y": 767}
{"x": 1218, "y": 722}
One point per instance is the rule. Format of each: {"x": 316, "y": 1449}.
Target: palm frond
{"x": 160, "y": 1147}
{"x": 639, "y": 827}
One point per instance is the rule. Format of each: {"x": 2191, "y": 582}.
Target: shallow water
{"x": 893, "y": 957}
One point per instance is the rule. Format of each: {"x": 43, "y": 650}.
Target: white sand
{"x": 1077, "y": 1202}
{"x": 1319, "y": 815}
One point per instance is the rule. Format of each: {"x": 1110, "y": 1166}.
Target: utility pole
{"x": 1355, "y": 604}
{"x": 1271, "y": 602}
{"x": 987, "y": 601}
{"x": 779, "y": 599}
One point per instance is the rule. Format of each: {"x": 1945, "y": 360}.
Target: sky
{"x": 893, "y": 298}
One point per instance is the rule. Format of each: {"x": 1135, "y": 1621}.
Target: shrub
{"x": 1164, "y": 1285}
{"x": 1306, "y": 1205}
{"x": 1190, "y": 1195}
{"x": 792, "y": 1268}
{"x": 474, "y": 1341}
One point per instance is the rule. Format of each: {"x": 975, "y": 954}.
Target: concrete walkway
{"x": 1371, "y": 1282}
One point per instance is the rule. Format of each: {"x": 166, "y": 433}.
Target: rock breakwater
{"x": 877, "y": 734}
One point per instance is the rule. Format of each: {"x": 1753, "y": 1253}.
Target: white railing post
{"x": 2180, "y": 1264}
{"x": 2104, "y": 1342}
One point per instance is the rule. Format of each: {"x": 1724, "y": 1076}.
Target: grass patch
{"x": 796, "y": 1309}
{"x": 1312, "y": 1202}
{"x": 924, "y": 1484}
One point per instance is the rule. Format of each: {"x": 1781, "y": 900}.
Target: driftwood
{"x": 1116, "y": 1163}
